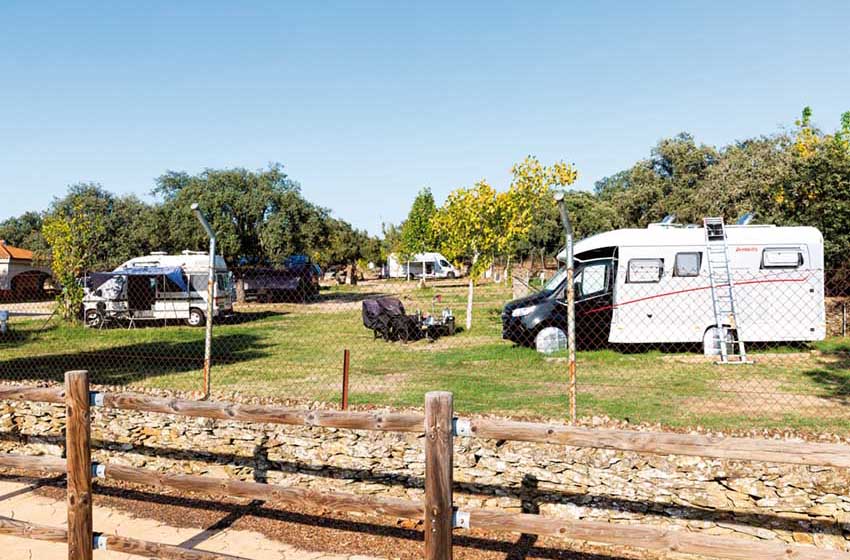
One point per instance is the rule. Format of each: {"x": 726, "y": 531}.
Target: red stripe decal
{"x": 778, "y": 280}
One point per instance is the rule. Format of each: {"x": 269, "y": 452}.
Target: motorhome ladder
{"x": 732, "y": 350}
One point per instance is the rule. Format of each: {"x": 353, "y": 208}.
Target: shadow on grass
{"x": 833, "y": 375}
{"x": 120, "y": 365}
{"x": 242, "y": 317}
{"x": 348, "y": 297}
{"x": 16, "y": 335}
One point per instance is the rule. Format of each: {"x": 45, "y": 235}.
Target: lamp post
{"x": 571, "y": 311}
{"x": 210, "y": 299}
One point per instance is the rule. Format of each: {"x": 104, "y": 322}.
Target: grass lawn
{"x": 293, "y": 350}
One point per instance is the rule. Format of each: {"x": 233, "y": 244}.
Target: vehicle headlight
{"x": 522, "y": 311}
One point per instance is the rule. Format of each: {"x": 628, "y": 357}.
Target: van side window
{"x": 199, "y": 282}
{"x": 687, "y": 264}
{"x": 592, "y": 280}
{"x": 782, "y": 257}
{"x": 643, "y": 271}
{"x": 164, "y": 285}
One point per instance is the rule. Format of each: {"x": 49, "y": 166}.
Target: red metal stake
{"x": 346, "y": 364}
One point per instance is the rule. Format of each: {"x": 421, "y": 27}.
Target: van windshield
{"x": 555, "y": 281}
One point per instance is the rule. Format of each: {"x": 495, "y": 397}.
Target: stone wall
{"x": 752, "y": 500}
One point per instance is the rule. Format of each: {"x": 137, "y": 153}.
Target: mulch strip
{"x": 318, "y": 530}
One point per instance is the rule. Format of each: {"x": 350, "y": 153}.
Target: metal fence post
{"x": 571, "y": 310}
{"x": 78, "y": 450}
{"x": 211, "y": 290}
{"x": 439, "y": 450}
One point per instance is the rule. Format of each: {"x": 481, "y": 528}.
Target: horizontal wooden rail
{"x": 43, "y": 464}
{"x": 664, "y": 443}
{"x": 37, "y": 394}
{"x": 115, "y": 543}
{"x": 380, "y": 421}
{"x": 224, "y": 488}
{"x": 659, "y": 443}
{"x": 648, "y": 537}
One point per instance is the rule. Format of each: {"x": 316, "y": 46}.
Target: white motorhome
{"x": 159, "y": 287}
{"x": 653, "y": 286}
{"x": 427, "y": 265}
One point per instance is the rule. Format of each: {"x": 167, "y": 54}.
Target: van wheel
{"x": 93, "y": 319}
{"x": 711, "y": 341}
{"x": 196, "y": 317}
{"x": 542, "y": 344}
{"x": 450, "y": 275}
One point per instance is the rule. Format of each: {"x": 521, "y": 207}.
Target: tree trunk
{"x": 469, "y": 304}
{"x": 350, "y": 273}
{"x": 469, "y": 295}
{"x": 240, "y": 290}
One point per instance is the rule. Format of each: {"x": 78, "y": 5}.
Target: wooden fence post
{"x": 78, "y": 450}
{"x": 439, "y": 450}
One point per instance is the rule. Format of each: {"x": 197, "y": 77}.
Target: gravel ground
{"x": 325, "y": 531}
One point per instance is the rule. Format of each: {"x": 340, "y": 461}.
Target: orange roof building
{"x": 7, "y": 252}
{"x": 20, "y": 277}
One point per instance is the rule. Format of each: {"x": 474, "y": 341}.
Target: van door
{"x": 594, "y": 298}
{"x": 172, "y": 302}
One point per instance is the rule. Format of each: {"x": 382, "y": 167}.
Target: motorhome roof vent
{"x": 188, "y": 252}
{"x": 158, "y": 253}
{"x": 745, "y": 218}
{"x": 667, "y": 222}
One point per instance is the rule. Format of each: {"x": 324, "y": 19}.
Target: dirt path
{"x": 18, "y": 500}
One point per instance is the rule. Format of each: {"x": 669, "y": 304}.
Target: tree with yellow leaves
{"x": 478, "y": 223}
{"x": 532, "y": 216}
{"x": 72, "y": 236}
{"x": 468, "y": 227}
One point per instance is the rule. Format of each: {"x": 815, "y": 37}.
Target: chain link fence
{"x": 647, "y": 340}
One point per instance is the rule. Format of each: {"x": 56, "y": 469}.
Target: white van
{"x": 636, "y": 286}
{"x": 427, "y": 265}
{"x": 159, "y": 287}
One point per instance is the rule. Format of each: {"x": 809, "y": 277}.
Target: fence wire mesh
{"x": 646, "y": 331}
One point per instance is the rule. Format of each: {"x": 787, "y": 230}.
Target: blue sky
{"x": 365, "y": 103}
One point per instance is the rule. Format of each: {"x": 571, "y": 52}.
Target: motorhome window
{"x": 199, "y": 282}
{"x": 164, "y": 285}
{"x": 782, "y": 258}
{"x": 592, "y": 280}
{"x": 643, "y": 271}
{"x": 687, "y": 264}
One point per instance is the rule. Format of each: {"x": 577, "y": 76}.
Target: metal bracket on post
{"x": 460, "y": 519}
{"x": 98, "y": 470}
{"x": 99, "y": 541}
{"x": 461, "y": 427}
{"x": 95, "y": 398}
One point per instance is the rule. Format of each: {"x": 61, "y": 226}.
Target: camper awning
{"x": 173, "y": 273}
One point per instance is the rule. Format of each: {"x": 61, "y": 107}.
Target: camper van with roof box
{"x": 158, "y": 287}
{"x": 674, "y": 283}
